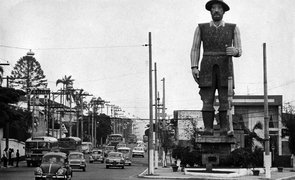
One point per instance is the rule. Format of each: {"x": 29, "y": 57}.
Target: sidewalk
{"x": 166, "y": 173}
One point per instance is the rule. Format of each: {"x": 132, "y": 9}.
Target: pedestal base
{"x": 215, "y": 149}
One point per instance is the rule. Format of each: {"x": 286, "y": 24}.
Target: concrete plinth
{"x": 215, "y": 149}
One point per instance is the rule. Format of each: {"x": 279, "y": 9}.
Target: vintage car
{"x": 54, "y": 165}
{"x": 96, "y": 155}
{"x": 126, "y": 151}
{"x": 108, "y": 149}
{"x": 115, "y": 159}
{"x": 77, "y": 160}
{"x": 138, "y": 151}
{"x": 121, "y": 145}
{"x": 143, "y": 145}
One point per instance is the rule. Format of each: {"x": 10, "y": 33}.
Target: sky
{"x": 100, "y": 44}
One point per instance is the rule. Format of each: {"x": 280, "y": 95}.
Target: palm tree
{"x": 66, "y": 90}
{"x": 67, "y": 85}
{"x": 77, "y": 96}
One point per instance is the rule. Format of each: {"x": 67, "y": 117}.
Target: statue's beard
{"x": 217, "y": 17}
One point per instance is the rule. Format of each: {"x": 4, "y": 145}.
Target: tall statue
{"x": 221, "y": 41}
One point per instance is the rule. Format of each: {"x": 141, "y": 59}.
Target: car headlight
{"x": 61, "y": 171}
{"x": 38, "y": 171}
{"x": 122, "y": 161}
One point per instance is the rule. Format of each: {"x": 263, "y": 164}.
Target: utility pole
{"x": 156, "y": 120}
{"x": 29, "y": 56}
{"x": 150, "y": 144}
{"x": 164, "y": 121}
{"x": 82, "y": 116}
{"x": 7, "y": 123}
{"x": 267, "y": 156}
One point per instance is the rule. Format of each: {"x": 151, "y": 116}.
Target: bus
{"x": 87, "y": 147}
{"x": 36, "y": 147}
{"x": 115, "y": 139}
{"x": 70, "y": 144}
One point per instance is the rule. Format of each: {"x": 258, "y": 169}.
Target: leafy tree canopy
{"x": 8, "y": 96}
{"x": 28, "y": 73}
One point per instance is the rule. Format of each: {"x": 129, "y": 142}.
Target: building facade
{"x": 251, "y": 110}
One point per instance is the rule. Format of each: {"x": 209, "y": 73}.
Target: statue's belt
{"x": 210, "y": 53}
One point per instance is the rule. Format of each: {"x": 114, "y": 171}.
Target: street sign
{"x": 40, "y": 91}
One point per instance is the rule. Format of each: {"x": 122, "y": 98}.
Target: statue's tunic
{"x": 215, "y": 40}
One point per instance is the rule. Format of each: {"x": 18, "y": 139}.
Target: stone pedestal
{"x": 215, "y": 149}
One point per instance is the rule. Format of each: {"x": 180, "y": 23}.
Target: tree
{"x": 289, "y": 121}
{"x": 8, "y": 96}
{"x": 104, "y": 127}
{"x": 28, "y": 73}
{"x": 67, "y": 83}
{"x": 251, "y": 136}
{"x": 67, "y": 90}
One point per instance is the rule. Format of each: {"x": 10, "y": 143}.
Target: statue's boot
{"x": 208, "y": 118}
{"x": 224, "y": 124}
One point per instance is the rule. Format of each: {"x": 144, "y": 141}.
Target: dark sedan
{"x": 54, "y": 166}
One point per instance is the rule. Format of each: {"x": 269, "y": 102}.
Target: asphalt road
{"x": 93, "y": 171}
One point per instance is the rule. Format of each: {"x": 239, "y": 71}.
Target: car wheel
{"x": 28, "y": 164}
{"x": 84, "y": 169}
{"x": 129, "y": 164}
{"x": 91, "y": 162}
{"x": 107, "y": 167}
{"x": 143, "y": 156}
{"x": 122, "y": 167}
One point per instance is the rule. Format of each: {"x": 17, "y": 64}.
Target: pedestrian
{"x": 12, "y": 157}
{"x": 17, "y": 157}
{"x": 220, "y": 42}
{"x": 9, "y": 156}
{"x": 4, "y": 157}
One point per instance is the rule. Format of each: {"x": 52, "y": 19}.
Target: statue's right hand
{"x": 196, "y": 73}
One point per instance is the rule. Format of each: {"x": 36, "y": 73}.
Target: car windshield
{"x": 115, "y": 155}
{"x": 96, "y": 152}
{"x": 138, "y": 149}
{"x": 110, "y": 148}
{"x": 123, "y": 150}
{"x": 53, "y": 159}
{"x": 75, "y": 156}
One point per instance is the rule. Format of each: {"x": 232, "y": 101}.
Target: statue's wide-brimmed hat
{"x": 211, "y": 2}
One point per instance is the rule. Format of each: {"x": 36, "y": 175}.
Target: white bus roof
{"x": 42, "y": 138}
{"x": 124, "y": 148}
{"x": 86, "y": 142}
{"x": 115, "y": 135}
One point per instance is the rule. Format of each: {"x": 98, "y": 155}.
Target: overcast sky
{"x": 100, "y": 42}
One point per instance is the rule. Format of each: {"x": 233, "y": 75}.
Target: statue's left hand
{"x": 231, "y": 51}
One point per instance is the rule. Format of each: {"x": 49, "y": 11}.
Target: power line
{"x": 71, "y": 48}
{"x": 14, "y": 47}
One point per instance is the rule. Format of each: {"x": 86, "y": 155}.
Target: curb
{"x": 286, "y": 178}
{"x": 141, "y": 174}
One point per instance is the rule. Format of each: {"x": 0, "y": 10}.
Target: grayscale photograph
{"x": 147, "y": 89}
